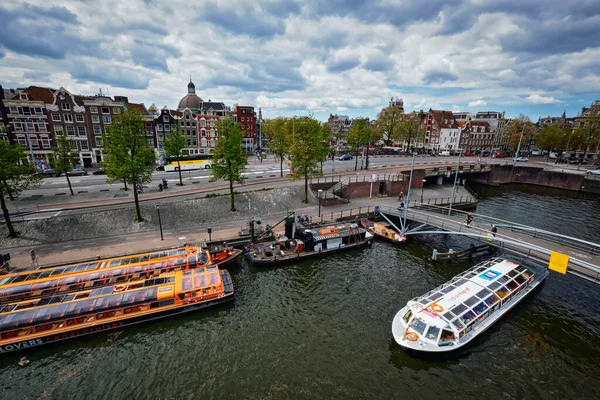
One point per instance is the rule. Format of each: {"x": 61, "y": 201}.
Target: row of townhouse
{"x": 34, "y": 116}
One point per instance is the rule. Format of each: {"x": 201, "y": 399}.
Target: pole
{"x": 412, "y": 168}
{"x": 367, "y": 161}
{"x": 371, "y": 191}
{"x": 454, "y": 186}
{"x": 30, "y": 145}
{"x": 319, "y": 192}
{"x": 422, "y": 189}
{"x": 160, "y": 222}
{"x": 519, "y": 145}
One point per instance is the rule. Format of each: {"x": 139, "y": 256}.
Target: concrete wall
{"x": 534, "y": 176}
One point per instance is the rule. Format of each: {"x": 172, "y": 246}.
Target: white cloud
{"x": 537, "y": 99}
{"x": 477, "y": 103}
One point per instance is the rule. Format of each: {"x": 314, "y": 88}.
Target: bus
{"x": 187, "y": 165}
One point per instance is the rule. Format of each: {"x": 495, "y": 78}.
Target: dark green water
{"x": 322, "y": 329}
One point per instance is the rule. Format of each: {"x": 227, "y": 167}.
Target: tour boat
{"x": 35, "y": 322}
{"x": 450, "y": 316}
{"x": 382, "y": 231}
{"x": 51, "y": 281}
{"x": 309, "y": 243}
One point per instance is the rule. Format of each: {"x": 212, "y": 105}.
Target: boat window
{"x": 211, "y": 267}
{"x": 448, "y": 289}
{"x": 459, "y": 282}
{"x": 33, "y": 276}
{"x": 459, "y": 309}
{"x": 42, "y": 302}
{"x": 448, "y": 315}
{"x": 6, "y": 280}
{"x": 447, "y": 336}
{"x": 57, "y": 311}
{"x": 458, "y": 323}
{"x": 502, "y": 292}
{"x": 186, "y": 272}
{"x": 512, "y": 273}
{"x": 480, "y": 308}
{"x": 494, "y": 286}
{"x": 432, "y": 332}
{"x": 107, "y": 290}
{"x": 45, "y": 274}
{"x": 114, "y": 263}
{"x": 483, "y": 293}
{"x": 40, "y": 285}
{"x": 418, "y": 325}
{"x": 191, "y": 259}
{"x": 520, "y": 279}
{"x": 186, "y": 284}
{"x": 199, "y": 281}
{"x": 407, "y": 316}
{"x": 58, "y": 271}
{"x": 424, "y": 301}
{"x": 173, "y": 253}
{"x": 20, "y": 278}
{"x": 435, "y": 296}
{"x": 468, "y": 317}
{"x": 114, "y": 300}
{"x": 56, "y": 299}
{"x": 491, "y": 300}
{"x": 502, "y": 279}
{"x": 480, "y": 269}
{"x": 470, "y": 275}
{"x": 512, "y": 285}
{"x": 470, "y": 302}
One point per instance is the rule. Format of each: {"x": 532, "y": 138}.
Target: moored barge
{"x": 33, "y": 323}
{"x": 381, "y": 231}
{"x": 451, "y": 315}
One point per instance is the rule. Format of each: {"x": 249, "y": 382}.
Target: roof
{"x": 440, "y": 115}
{"x": 191, "y": 101}
{"x": 40, "y": 94}
{"x": 139, "y": 107}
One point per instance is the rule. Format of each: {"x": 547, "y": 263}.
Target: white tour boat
{"x": 451, "y": 315}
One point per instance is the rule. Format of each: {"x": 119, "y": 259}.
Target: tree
{"x": 305, "y": 151}
{"x": 175, "y": 142}
{"x": 276, "y": 131}
{"x": 388, "y": 124}
{"x": 551, "y": 137}
{"x": 129, "y": 157}
{"x": 229, "y": 158}
{"x": 514, "y": 129}
{"x": 14, "y": 178}
{"x": 325, "y": 141}
{"x": 410, "y": 129}
{"x": 358, "y": 137}
{"x": 589, "y": 130}
{"x": 64, "y": 158}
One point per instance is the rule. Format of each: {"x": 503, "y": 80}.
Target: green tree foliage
{"x": 588, "y": 133}
{"x": 551, "y": 137}
{"x": 388, "y": 124}
{"x": 306, "y": 150}
{"x": 15, "y": 176}
{"x": 174, "y": 143}
{"x": 278, "y": 135}
{"x": 128, "y": 156}
{"x": 64, "y": 158}
{"x": 358, "y": 137}
{"x": 410, "y": 129}
{"x": 229, "y": 158}
{"x": 514, "y": 129}
{"x": 325, "y": 142}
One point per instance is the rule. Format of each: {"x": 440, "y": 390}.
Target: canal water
{"x": 322, "y": 329}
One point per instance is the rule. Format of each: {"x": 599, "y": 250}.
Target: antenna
{"x": 190, "y": 77}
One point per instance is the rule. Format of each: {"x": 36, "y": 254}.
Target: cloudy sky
{"x": 537, "y": 57}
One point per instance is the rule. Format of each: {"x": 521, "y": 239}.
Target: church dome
{"x": 191, "y": 100}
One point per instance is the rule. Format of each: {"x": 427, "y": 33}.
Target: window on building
{"x": 45, "y": 143}
{"x": 73, "y": 144}
{"x": 18, "y": 126}
{"x": 42, "y": 126}
{"x": 203, "y": 143}
{"x": 105, "y": 110}
{"x": 79, "y": 117}
{"x": 70, "y": 130}
{"x": 23, "y": 96}
{"x": 150, "y": 142}
{"x": 202, "y": 122}
{"x": 97, "y": 130}
{"x": 212, "y": 133}
{"x": 66, "y": 106}
{"x": 68, "y": 117}
{"x": 56, "y": 117}
{"x": 58, "y": 130}
{"x": 168, "y": 128}
{"x": 159, "y": 127}
{"x": 149, "y": 132}
{"x": 106, "y": 119}
{"x": 30, "y": 126}
{"x": 38, "y": 111}
{"x": 34, "y": 143}
{"x": 81, "y": 131}
{"x": 84, "y": 145}
{"x": 116, "y": 110}
{"x": 95, "y": 119}
{"x": 212, "y": 142}
{"x": 93, "y": 109}
{"x": 98, "y": 141}
{"x": 174, "y": 127}
{"x": 22, "y": 142}
{"x": 203, "y": 132}
{"x": 14, "y": 110}
{"x": 212, "y": 123}
{"x": 165, "y": 118}
{"x": 243, "y": 119}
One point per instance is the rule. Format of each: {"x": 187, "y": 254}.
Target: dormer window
{"x": 23, "y": 96}
{"x": 66, "y": 107}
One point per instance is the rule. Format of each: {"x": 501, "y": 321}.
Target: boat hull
{"x": 223, "y": 263}
{"x": 111, "y": 325}
{"x": 398, "y": 326}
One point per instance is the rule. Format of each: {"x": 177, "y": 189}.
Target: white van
{"x": 552, "y": 155}
{"x": 535, "y": 152}
{"x": 445, "y": 153}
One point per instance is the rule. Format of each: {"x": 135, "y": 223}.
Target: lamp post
{"x": 319, "y": 193}
{"x": 454, "y": 186}
{"x": 422, "y": 189}
{"x": 209, "y": 230}
{"x": 159, "y": 221}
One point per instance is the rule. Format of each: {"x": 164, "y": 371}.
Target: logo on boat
{"x": 490, "y": 275}
{"x": 21, "y": 345}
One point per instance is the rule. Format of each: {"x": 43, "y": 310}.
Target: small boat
{"x": 36, "y": 322}
{"x": 383, "y": 232}
{"x": 222, "y": 255}
{"x": 310, "y": 243}
{"x": 451, "y": 315}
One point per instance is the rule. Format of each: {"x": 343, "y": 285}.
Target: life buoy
{"x": 410, "y": 336}
{"x": 436, "y": 307}
{"x": 119, "y": 288}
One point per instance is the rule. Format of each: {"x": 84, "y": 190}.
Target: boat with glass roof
{"x": 451, "y": 315}
{"x": 51, "y": 281}
{"x": 36, "y": 322}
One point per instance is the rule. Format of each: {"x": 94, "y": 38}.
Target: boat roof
{"x": 333, "y": 231}
{"x": 465, "y": 291}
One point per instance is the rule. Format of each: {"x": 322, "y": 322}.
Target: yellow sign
{"x": 558, "y": 262}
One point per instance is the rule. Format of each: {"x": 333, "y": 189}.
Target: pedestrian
{"x": 401, "y": 197}
{"x": 494, "y": 230}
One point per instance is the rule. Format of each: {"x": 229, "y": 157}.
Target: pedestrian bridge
{"x": 538, "y": 244}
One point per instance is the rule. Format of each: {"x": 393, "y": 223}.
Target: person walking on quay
{"x": 494, "y": 230}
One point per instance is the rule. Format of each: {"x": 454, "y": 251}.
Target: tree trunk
{"x": 281, "y": 166}
{"x": 306, "y": 186}
{"x": 11, "y": 230}
{"x": 179, "y": 169}
{"x": 356, "y": 159}
{"x": 138, "y": 214}
{"x": 232, "y": 209}
{"x": 69, "y": 182}
{"x": 125, "y": 183}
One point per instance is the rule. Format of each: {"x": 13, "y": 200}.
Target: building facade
{"x": 339, "y": 126}
{"x": 246, "y": 119}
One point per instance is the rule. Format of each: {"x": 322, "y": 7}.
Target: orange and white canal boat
{"x": 382, "y": 232}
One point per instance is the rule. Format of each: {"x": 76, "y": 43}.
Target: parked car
{"x": 346, "y": 157}
{"x": 552, "y": 155}
{"x": 535, "y": 152}
{"x": 99, "y": 171}
{"x": 499, "y": 154}
{"x": 593, "y": 171}
{"x": 160, "y": 168}
{"x": 521, "y": 159}
{"x": 577, "y": 161}
{"x": 77, "y": 172}
{"x": 445, "y": 153}
{"x": 46, "y": 172}
{"x": 469, "y": 154}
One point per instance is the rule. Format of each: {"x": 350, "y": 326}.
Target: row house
{"x": 148, "y": 119}
{"x": 208, "y": 118}
{"x": 496, "y": 126}
{"x": 476, "y": 136}
{"x": 246, "y": 119}
{"x": 164, "y": 122}
{"x": 100, "y": 112}
{"x": 339, "y": 126}
{"x": 4, "y": 128}
{"x": 434, "y": 121}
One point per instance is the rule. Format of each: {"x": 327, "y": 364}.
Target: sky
{"x": 301, "y": 57}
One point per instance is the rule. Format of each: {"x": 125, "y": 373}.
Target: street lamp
{"x": 319, "y": 193}
{"x": 209, "y": 230}
{"x": 159, "y": 221}
{"x": 422, "y": 189}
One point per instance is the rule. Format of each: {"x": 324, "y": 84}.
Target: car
{"x": 577, "y": 161}
{"x": 99, "y": 171}
{"x": 521, "y": 159}
{"x": 346, "y": 157}
{"x": 77, "y": 172}
{"x": 469, "y": 154}
{"x": 535, "y": 152}
{"x": 552, "y": 155}
{"x": 593, "y": 171}
{"x": 160, "y": 168}
{"x": 46, "y": 172}
{"x": 445, "y": 153}
{"x": 499, "y": 154}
